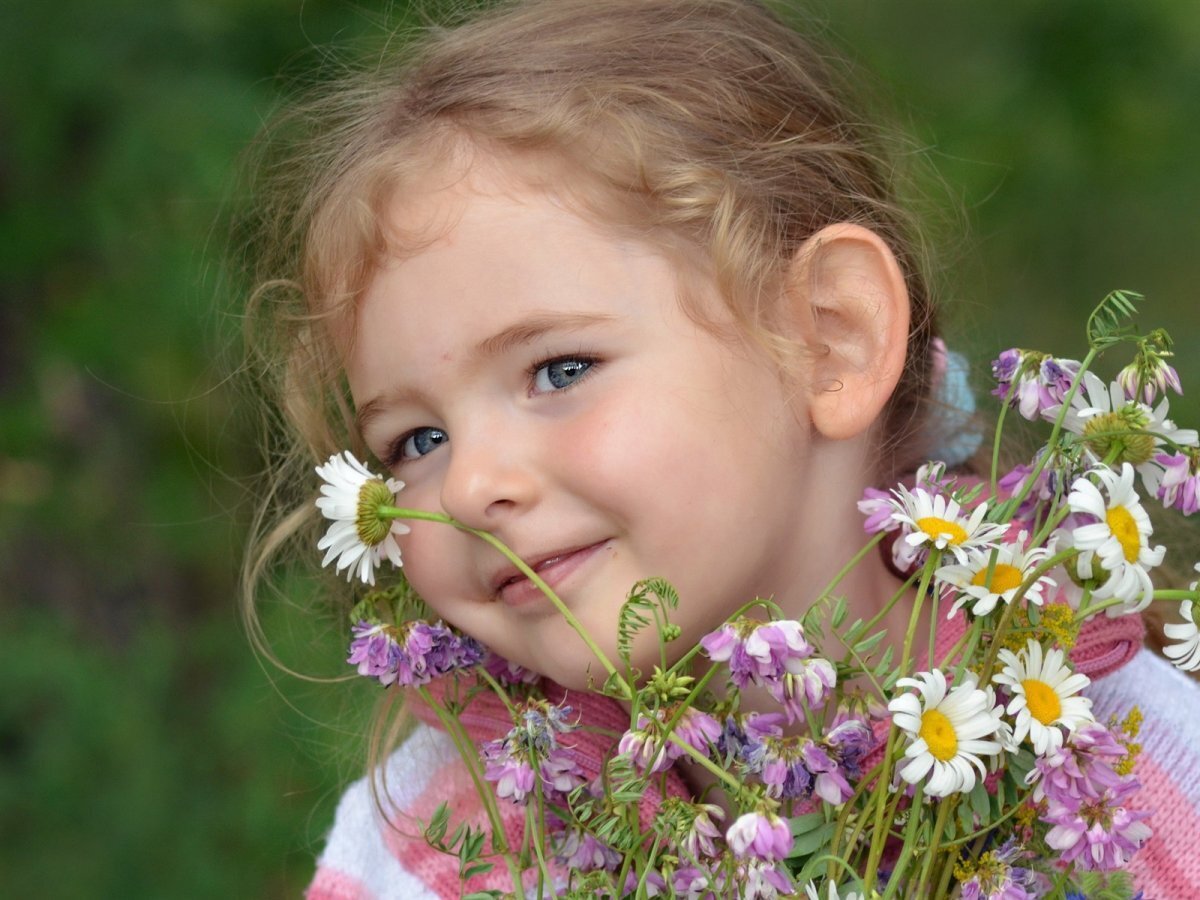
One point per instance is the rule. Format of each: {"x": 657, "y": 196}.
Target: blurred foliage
{"x": 143, "y": 750}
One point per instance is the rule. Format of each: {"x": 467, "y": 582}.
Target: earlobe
{"x": 851, "y": 304}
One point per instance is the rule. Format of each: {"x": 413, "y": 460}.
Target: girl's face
{"x": 534, "y": 376}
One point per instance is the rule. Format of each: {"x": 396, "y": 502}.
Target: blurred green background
{"x": 143, "y": 750}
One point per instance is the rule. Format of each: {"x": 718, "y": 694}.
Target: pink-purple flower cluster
{"x": 798, "y": 768}
{"x": 761, "y": 835}
{"x": 411, "y": 654}
{"x": 776, "y": 656}
{"x": 529, "y": 752}
{"x": 1086, "y": 799}
{"x": 1147, "y": 378}
{"x": 1179, "y": 485}
{"x": 1032, "y": 383}
{"x": 652, "y": 750}
{"x": 999, "y": 878}
{"x": 506, "y": 672}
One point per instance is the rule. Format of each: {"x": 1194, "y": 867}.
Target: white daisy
{"x": 939, "y": 521}
{"x": 1045, "y": 697}
{"x": 1014, "y": 565}
{"x": 814, "y": 893}
{"x": 1107, "y": 419}
{"x": 1119, "y": 537}
{"x": 359, "y": 537}
{"x": 1185, "y": 653}
{"x": 949, "y": 731}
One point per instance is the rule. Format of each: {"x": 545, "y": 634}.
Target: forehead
{"x": 483, "y": 254}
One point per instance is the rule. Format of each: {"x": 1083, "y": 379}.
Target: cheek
{"x": 425, "y": 551}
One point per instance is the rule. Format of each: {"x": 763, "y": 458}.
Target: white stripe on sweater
{"x": 1170, "y": 703}
{"x": 356, "y": 846}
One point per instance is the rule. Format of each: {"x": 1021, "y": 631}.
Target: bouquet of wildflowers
{"x": 978, "y": 771}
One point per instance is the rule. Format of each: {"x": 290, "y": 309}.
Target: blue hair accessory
{"x": 952, "y": 416}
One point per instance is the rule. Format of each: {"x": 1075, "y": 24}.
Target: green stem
{"x": 487, "y": 796}
{"x": 931, "y": 850}
{"x": 885, "y": 775}
{"x": 393, "y": 512}
{"x": 996, "y": 448}
{"x": 735, "y": 786}
{"x": 972, "y": 639}
{"x": 906, "y": 855}
{"x": 854, "y": 561}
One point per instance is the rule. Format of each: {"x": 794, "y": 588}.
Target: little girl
{"x": 621, "y": 282}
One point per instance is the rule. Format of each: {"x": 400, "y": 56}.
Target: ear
{"x": 851, "y": 306}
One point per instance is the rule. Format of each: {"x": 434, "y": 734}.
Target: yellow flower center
{"x": 1044, "y": 704}
{"x": 1124, "y": 528}
{"x": 938, "y": 733}
{"x": 1121, "y": 435}
{"x": 935, "y": 528}
{"x": 373, "y": 528}
{"x": 1004, "y": 578}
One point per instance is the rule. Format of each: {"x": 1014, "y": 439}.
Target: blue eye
{"x": 559, "y": 374}
{"x": 419, "y": 442}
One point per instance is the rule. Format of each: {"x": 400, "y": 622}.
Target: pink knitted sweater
{"x": 365, "y": 858}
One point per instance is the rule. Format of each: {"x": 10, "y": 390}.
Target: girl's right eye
{"x": 415, "y": 444}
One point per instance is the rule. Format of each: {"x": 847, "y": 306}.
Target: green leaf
{"x": 980, "y": 802}
{"x": 839, "y": 612}
{"x": 637, "y": 612}
{"x": 862, "y": 648}
{"x": 806, "y": 823}
{"x": 438, "y": 823}
{"x": 812, "y": 841}
{"x": 1108, "y": 323}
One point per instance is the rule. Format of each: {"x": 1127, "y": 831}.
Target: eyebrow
{"x": 535, "y": 326}
{"x": 521, "y": 332}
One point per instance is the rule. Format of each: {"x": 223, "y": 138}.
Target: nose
{"x": 488, "y": 478}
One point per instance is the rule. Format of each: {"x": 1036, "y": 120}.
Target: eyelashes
{"x": 560, "y": 373}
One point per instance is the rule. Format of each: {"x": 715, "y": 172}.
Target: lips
{"x": 513, "y": 588}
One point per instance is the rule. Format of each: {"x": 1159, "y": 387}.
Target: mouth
{"x": 513, "y": 588}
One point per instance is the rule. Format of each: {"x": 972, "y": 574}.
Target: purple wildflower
{"x": 651, "y": 749}
{"x": 579, "y": 849}
{"x": 694, "y": 882}
{"x": 1149, "y": 377}
{"x": 1179, "y": 484}
{"x": 654, "y": 885}
{"x": 780, "y": 763}
{"x": 761, "y": 835}
{"x": 762, "y": 880}
{"x": 410, "y": 654}
{"x": 510, "y": 761}
{"x": 851, "y": 740}
{"x": 816, "y": 678}
{"x": 508, "y": 673}
{"x": 758, "y": 652}
{"x": 375, "y": 651}
{"x": 1099, "y": 835}
{"x": 996, "y": 878}
{"x": 509, "y": 769}
{"x": 645, "y": 746}
{"x": 560, "y": 772}
{"x": 876, "y": 505}
{"x": 698, "y": 842}
{"x": 1084, "y": 768}
{"x": 829, "y": 783}
{"x": 797, "y": 768}
{"x": 1032, "y": 383}
{"x": 1055, "y": 377}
